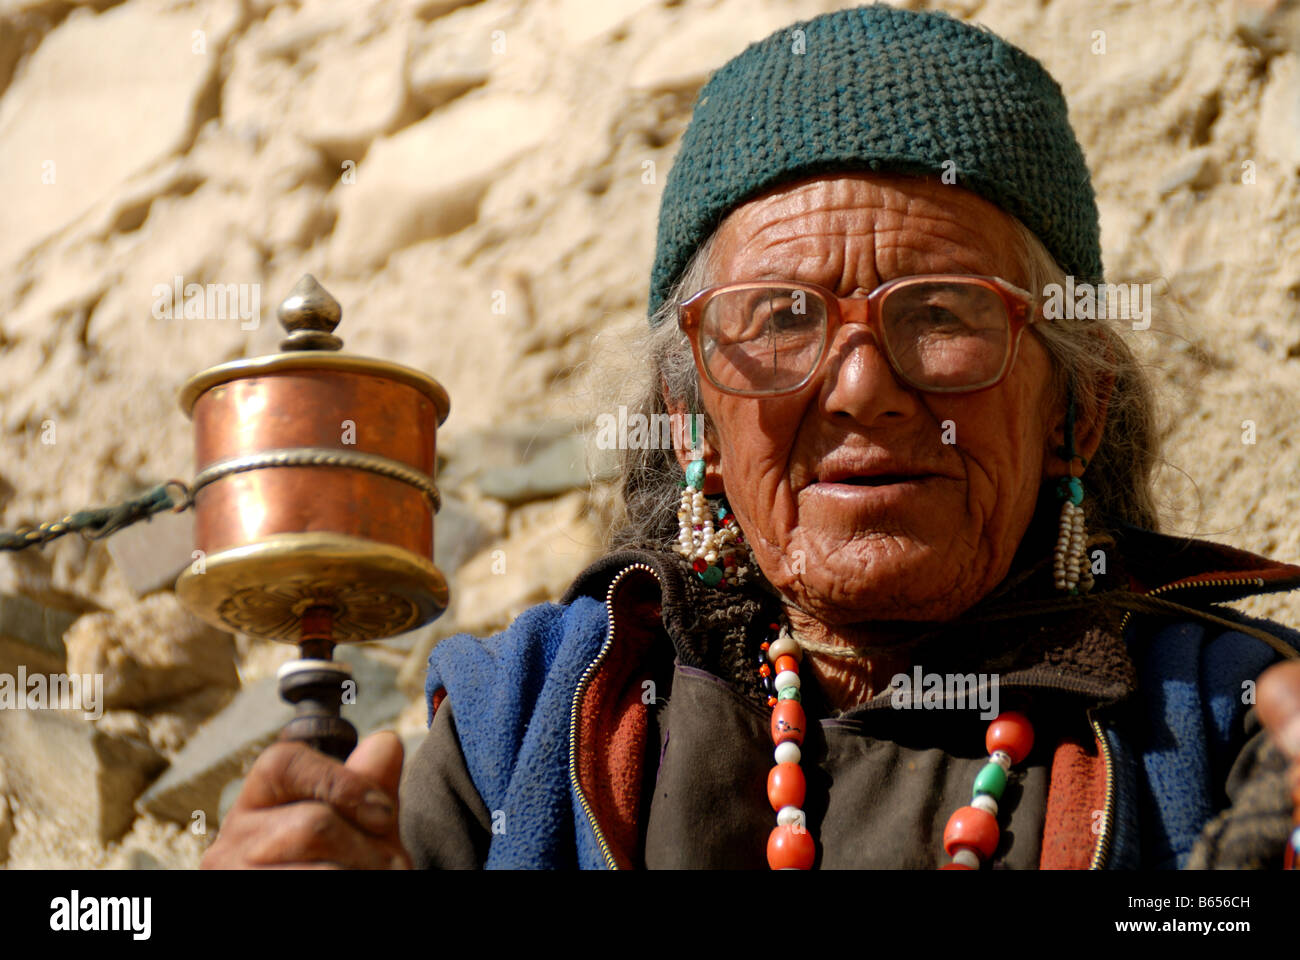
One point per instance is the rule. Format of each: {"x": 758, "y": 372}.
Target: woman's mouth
{"x": 879, "y": 480}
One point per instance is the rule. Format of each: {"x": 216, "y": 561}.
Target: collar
{"x": 1021, "y": 631}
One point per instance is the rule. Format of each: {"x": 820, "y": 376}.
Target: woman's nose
{"x": 860, "y": 382}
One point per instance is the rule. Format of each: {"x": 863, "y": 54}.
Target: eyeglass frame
{"x": 1021, "y": 307}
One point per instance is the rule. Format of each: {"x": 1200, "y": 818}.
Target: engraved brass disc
{"x": 262, "y": 589}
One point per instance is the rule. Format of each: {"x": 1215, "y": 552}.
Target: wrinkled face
{"x": 954, "y": 479}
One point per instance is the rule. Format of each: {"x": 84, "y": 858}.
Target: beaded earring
{"x": 1070, "y": 567}
{"x": 711, "y": 547}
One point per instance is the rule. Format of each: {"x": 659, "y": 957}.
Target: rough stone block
{"x": 152, "y": 554}
{"x": 151, "y": 653}
{"x": 68, "y": 771}
{"x": 58, "y": 156}
{"x": 426, "y": 180}
{"x": 31, "y": 635}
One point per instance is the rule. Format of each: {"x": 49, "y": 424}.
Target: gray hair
{"x": 1089, "y": 359}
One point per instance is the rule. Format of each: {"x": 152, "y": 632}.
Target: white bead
{"x": 786, "y": 678}
{"x": 986, "y": 803}
{"x": 1001, "y": 758}
{"x": 787, "y": 752}
{"x": 784, "y": 646}
{"x": 787, "y": 815}
{"x": 967, "y": 858}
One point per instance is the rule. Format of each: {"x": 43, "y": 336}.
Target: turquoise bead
{"x": 991, "y": 780}
{"x": 1070, "y": 488}
{"x": 695, "y": 474}
{"x": 711, "y": 575}
{"x": 789, "y": 693}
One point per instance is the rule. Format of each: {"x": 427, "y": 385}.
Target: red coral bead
{"x": 765, "y": 671}
{"x": 786, "y": 786}
{"x": 790, "y": 846}
{"x": 1011, "y": 732}
{"x": 772, "y": 701}
{"x": 788, "y": 722}
{"x": 787, "y": 663}
{"x": 971, "y": 827}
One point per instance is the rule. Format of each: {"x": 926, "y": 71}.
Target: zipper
{"x": 1236, "y": 582}
{"x": 583, "y": 683}
{"x": 1102, "y": 850}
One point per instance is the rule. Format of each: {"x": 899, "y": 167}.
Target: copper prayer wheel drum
{"x": 315, "y": 487}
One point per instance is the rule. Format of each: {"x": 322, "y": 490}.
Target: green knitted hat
{"x": 877, "y": 88}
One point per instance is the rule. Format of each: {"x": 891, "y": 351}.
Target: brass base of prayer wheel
{"x": 263, "y": 589}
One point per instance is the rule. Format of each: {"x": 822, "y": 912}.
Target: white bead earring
{"x": 712, "y": 548}
{"x": 1071, "y": 569}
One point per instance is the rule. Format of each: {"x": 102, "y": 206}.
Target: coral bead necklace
{"x": 972, "y": 833}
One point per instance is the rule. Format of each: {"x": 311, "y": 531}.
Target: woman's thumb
{"x": 379, "y": 758}
{"x": 1277, "y": 700}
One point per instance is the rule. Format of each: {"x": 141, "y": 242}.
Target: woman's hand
{"x": 300, "y": 808}
{"x": 1277, "y": 698}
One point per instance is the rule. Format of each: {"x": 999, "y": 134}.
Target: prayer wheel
{"x": 314, "y": 504}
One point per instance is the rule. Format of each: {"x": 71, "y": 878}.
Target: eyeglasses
{"x": 941, "y": 333}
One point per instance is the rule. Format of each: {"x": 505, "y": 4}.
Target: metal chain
{"x": 99, "y": 523}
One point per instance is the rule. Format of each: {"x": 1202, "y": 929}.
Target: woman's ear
{"x": 680, "y": 423}
{"x": 1090, "y": 411}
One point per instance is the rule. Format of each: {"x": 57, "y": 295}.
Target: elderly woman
{"x": 897, "y": 599}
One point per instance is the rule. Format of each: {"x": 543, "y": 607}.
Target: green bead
{"x": 695, "y": 474}
{"x": 991, "y": 780}
{"x": 789, "y": 693}
{"x": 1070, "y": 488}
{"x": 711, "y": 575}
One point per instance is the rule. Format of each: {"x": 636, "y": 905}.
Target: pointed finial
{"x": 310, "y": 314}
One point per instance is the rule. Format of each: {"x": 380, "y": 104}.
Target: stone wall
{"x": 477, "y": 184}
